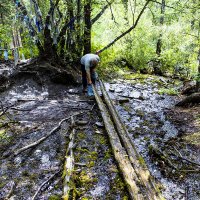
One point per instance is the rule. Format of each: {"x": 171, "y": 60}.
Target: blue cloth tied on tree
{"x": 5, "y": 55}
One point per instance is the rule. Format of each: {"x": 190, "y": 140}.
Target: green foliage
{"x": 180, "y": 40}
{"x": 170, "y": 91}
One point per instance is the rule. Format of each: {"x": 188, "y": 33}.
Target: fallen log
{"x": 69, "y": 163}
{"x": 148, "y": 182}
{"x": 130, "y": 177}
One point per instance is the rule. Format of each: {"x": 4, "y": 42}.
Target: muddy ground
{"x": 166, "y": 136}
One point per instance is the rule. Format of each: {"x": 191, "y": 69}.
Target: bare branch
{"x": 129, "y": 30}
{"x": 101, "y": 12}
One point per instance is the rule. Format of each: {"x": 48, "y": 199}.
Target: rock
{"x": 81, "y": 123}
{"x": 118, "y": 90}
{"x": 163, "y": 80}
{"x": 123, "y": 100}
{"x": 111, "y": 89}
{"x": 98, "y": 132}
{"x": 99, "y": 124}
{"x": 139, "y": 86}
{"x": 135, "y": 94}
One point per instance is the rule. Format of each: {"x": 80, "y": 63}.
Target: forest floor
{"x": 167, "y": 137}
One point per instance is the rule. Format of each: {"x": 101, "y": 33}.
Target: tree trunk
{"x": 87, "y": 30}
{"x": 79, "y": 45}
{"x": 198, "y": 80}
{"x": 159, "y": 42}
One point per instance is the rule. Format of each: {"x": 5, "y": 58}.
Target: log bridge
{"x": 140, "y": 184}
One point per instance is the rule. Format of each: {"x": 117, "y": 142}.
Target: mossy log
{"x": 69, "y": 163}
{"x": 192, "y": 99}
{"x": 130, "y": 177}
{"x": 147, "y": 181}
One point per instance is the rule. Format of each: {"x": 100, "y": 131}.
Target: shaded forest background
{"x": 160, "y": 37}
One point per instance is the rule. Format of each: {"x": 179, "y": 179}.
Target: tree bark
{"x": 87, "y": 30}
{"x": 159, "y": 42}
{"x": 50, "y": 50}
{"x": 101, "y": 12}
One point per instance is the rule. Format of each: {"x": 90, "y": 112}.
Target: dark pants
{"x": 84, "y": 76}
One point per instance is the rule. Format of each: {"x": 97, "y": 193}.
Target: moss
{"x": 2, "y": 184}
{"x": 169, "y": 91}
{"x": 108, "y": 154}
{"x": 145, "y": 123}
{"x": 54, "y": 197}
{"x": 101, "y": 139}
{"x": 118, "y": 183}
{"x": 142, "y": 161}
{"x": 193, "y": 139}
{"x": 33, "y": 176}
{"x": 83, "y": 179}
{"x": 2, "y": 133}
{"x": 139, "y": 77}
{"x": 81, "y": 136}
{"x": 91, "y": 164}
{"x": 25, "y": 173}
{"x": 127, "y": 108}
{"x": 139, "y": 113}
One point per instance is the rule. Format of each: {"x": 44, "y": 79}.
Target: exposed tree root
{"x": 192, "y": 99}
{"x": 45, "y": 182}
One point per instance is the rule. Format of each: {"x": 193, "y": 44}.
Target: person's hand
{"x": 90, "y": 90}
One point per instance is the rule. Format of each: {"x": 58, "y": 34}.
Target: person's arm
{"x": 88, "y": 76}
{"x": 87, "y": 69}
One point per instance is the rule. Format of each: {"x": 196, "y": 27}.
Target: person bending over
{"x": 89, "y": 63}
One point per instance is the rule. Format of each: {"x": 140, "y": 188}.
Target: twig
{"x": 190, "y": 170}
{"x": 181, "y": 157}
{"x": 19, "y": 109}
{"x": 45, "y": 137}
{"x": 186, "y": 193}
{"x": 4, "y": 110}
{"x": 92, "y": 107}
{"x": 50, "y": 178}
{"x": 11, "y": 190}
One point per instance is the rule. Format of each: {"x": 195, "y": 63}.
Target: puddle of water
{"x": 145, "y": 120}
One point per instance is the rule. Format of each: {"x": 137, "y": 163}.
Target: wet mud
{"x": 166, "y": 136}
{"x": 31, "y": 110}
